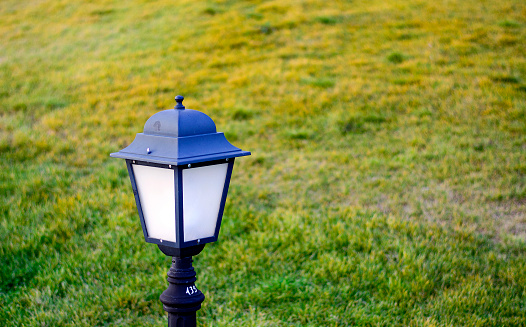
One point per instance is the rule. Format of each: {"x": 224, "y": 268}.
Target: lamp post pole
{"x": 182, "y": 299}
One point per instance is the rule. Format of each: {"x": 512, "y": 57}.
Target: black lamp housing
{"x": 176, "y": 140}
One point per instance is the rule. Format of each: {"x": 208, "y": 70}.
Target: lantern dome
{"x": 179, "y": 136}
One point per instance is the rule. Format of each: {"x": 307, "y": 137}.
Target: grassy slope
{"x": 387, "y": 184}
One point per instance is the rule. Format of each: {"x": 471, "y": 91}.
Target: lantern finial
{"x": 179, "y": 99}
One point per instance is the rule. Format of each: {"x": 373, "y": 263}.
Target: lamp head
{"x": 180, "y": 169}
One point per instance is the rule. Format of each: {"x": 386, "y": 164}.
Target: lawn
{"x": 386, "y": 186}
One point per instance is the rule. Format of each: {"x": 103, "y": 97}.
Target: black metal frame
{"x": 178, "y": 214}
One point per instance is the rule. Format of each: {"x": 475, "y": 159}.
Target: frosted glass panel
{"x": 202, "y": 192}
{"x": 157, "y": 195}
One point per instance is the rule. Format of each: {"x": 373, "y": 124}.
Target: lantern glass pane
{"x": 157, "y": 195}
{"x": 202, "y": 193}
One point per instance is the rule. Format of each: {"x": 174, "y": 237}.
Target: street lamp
{"x": 180, "y": 170}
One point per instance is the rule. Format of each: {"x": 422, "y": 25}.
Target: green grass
{"x": 387, "y": 185}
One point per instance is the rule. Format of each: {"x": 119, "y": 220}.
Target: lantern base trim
{"x": 181, "y": 252}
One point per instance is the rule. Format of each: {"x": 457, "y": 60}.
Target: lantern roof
{"x": 179, "y": 136}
